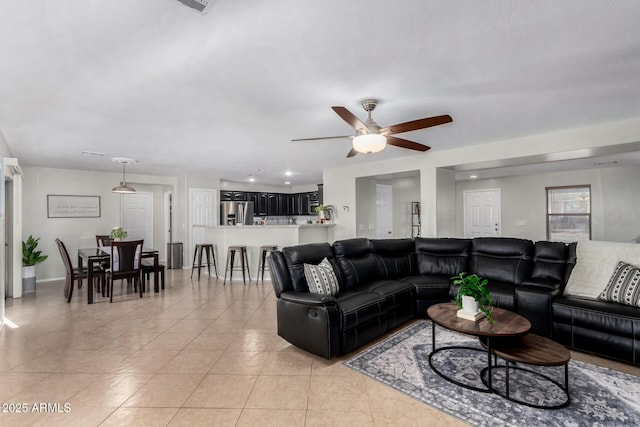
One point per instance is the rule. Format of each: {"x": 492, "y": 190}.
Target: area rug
{"x": 599, "y": 396}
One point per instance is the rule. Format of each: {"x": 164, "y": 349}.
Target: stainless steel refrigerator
{"x": 235, "y": 213}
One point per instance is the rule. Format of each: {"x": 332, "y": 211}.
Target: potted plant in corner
{"x": 30, "y": 257}
{"x": 118, "y": 233}
{"x": 473, "y": 296}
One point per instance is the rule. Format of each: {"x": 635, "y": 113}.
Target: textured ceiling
{"x": 222, "y": 94}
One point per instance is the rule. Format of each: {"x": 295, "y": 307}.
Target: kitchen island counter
{"x": 254, "y": 236}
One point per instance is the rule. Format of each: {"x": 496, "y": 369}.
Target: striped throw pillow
{"x": 321, "y": 278}
{"x": 623, "y": 286}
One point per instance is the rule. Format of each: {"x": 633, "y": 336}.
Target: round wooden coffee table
{"x": 533, "y": 350}
{"x": 505, "y": 324}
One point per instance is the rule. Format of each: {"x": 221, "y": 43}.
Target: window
{"x": 569, "y": 213}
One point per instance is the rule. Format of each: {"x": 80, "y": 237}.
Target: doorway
{"x": 137, "y": 216}
{"x": 384, "y": 211}
{"x": 203, "y": 206}
{"x": 482, "y": 213}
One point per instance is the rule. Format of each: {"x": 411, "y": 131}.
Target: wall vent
{"x": 199, "y": 5}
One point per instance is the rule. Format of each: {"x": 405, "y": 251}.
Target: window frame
{"x": 563, "y": 187}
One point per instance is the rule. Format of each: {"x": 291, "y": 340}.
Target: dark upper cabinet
{"x": 305, "y": 204}
{"x": 276, "y": 204}
{"x": 289, "y": 204}
{"x": 273, "y": 204}
{"x": 285, "y": 204}
{"x": 255, "y": 198}
{"x": 261, "y": 206}
{"x": 233, "y": 196}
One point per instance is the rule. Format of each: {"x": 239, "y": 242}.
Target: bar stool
{"x": 262, "y": 259}
{"x": 208, "y": 249}
{"x": 244, "y": 263}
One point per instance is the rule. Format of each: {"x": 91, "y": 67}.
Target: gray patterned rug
{"x": 599, "y": 396}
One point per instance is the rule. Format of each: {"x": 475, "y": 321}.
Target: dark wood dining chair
{"x": 72, "y": 274}
{"x": 103, "y": 240}
{"x": 125, "y": 264}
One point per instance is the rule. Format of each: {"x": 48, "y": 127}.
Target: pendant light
{"x": 123, "y": 188}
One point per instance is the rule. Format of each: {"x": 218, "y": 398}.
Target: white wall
{"x": 615, "y": 202}
{"x": 366, "y": 207}
{"x": 4, "y": 148}
{"x": 445, "y": 202}
{"x": 404, "y": 190}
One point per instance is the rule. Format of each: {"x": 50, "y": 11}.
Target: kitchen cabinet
{"x": 305, "y": 204}
{"x": 276, "y": 204}
{"x": 273, "y": 204}
{"x": 233, "y": 196}
{"x": 289, "y": 204}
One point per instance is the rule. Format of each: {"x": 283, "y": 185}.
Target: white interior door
{"x": 137, "y": 217}
{"x": 384, "y": 211}
{"x": 482, "y": 213}
{"x": 204, "y": 208}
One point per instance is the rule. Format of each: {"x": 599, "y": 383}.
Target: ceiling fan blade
{"x": 403, "y": 143}
{"x": 348, "y": 117}
{"x": 352, "y": 153}
{"x": 417, "y": 124}
{"x": 323, "y": 137}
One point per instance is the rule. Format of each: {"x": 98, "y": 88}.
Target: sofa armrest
{"x": 534, "y": 303}
{"x": 310, "y": 322}
{"x": 307, "y": 298}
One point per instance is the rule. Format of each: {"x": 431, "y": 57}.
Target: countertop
{"x": 239, "y": 227}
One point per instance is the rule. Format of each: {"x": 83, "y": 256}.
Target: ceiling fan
{"x": 371, "y": 138}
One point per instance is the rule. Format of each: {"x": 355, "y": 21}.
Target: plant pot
{"x": 469, "y": 304}
{"x": 28, "y": 278}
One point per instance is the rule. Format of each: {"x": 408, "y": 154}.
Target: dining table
{"x": 100, "y": 256}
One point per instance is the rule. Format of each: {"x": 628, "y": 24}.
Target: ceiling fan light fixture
{"x": 369, "y": 143}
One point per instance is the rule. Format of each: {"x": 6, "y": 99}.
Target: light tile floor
{"x": 199, "y": 353}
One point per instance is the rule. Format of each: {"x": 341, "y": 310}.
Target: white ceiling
{"x": 222, "y": 94}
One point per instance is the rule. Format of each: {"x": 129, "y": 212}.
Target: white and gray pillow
{"x": 321, "y": 278}
{"x": 623, "y": 286}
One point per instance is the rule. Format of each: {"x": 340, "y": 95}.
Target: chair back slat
{"x": 66, "y": 260}
{"x": 103, "y": 240}
{"x": 125, "y": 256}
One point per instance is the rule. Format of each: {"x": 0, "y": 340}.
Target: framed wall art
{"x": 63, "y": 206}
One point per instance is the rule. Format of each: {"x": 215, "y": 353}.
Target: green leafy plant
{"x": 30, "y": 256}
{"x": 118, "y": 233}
{"x": 476, "y": 287}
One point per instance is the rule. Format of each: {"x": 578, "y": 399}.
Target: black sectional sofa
{"x": 384, "y": 283}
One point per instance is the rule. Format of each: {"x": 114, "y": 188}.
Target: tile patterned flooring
{"x": 199, "y": 353}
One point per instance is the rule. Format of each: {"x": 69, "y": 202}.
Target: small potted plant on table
{"x": 473, "y": 297}
{"x": 118, "y": 233}
{"x": 30, "y": 257}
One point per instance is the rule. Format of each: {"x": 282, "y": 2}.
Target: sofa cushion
{"x": 321, "y": 278}
{"x": 549, "y": 261}
{"x": 430, "y": 286}
{"x": 395, "y": 258}
{"x": 358, "y": 308}
{"x": 357, "y": 264}
{"x": 623, "y": 286}
{"x": 502, "y": 259}
{"x": 442, "y": 257}
{"x": 297, "y": 256}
